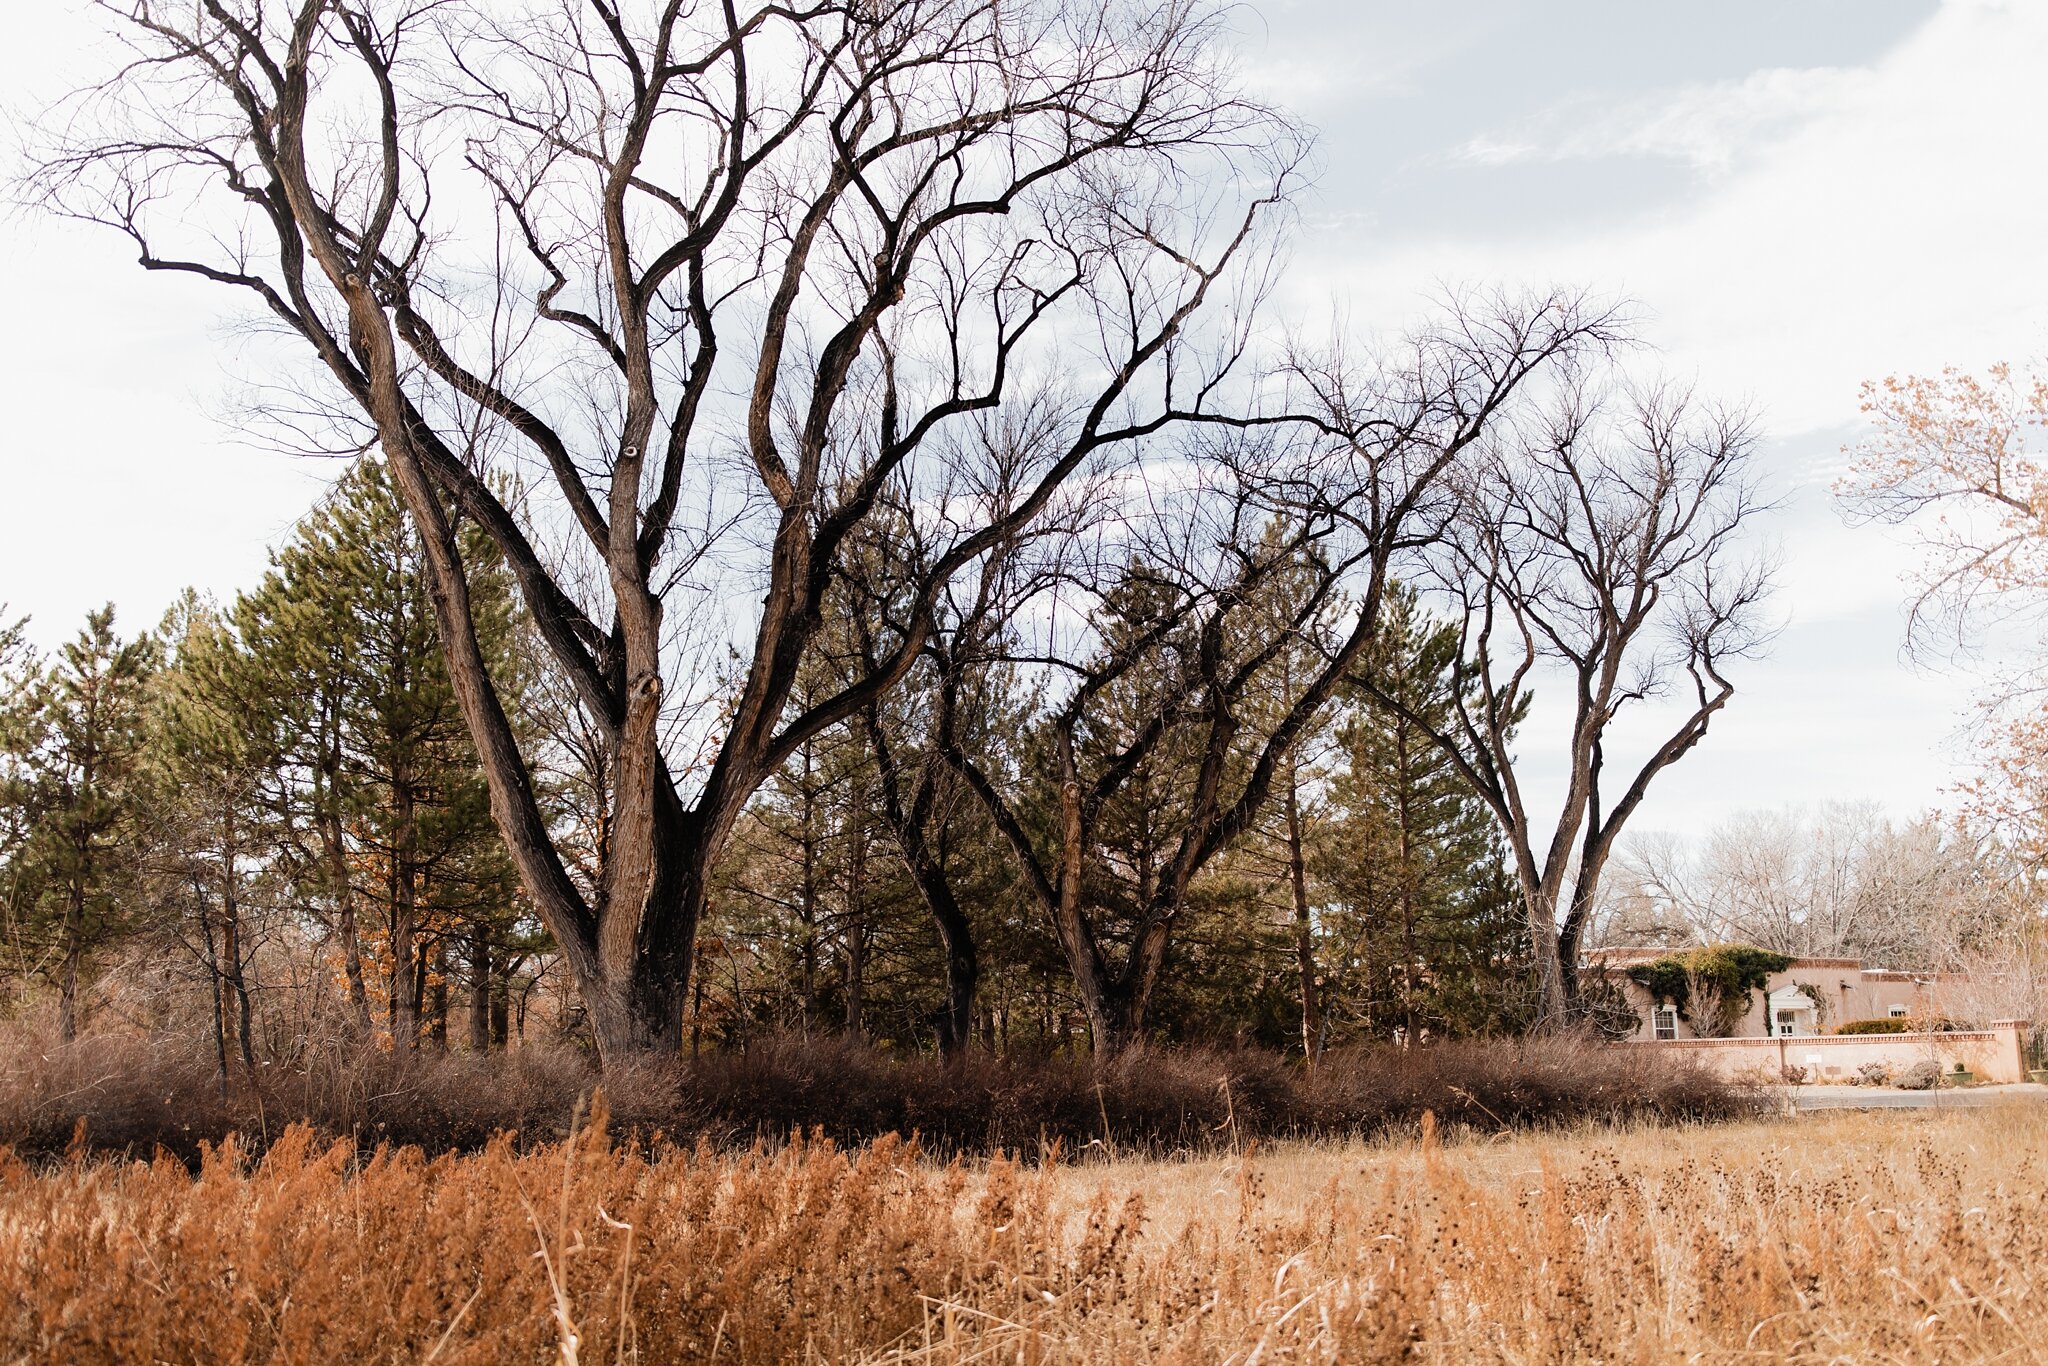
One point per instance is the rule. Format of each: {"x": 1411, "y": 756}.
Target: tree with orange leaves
{"x": 1960, "y": 459}
{"x": 1950, "y": 456}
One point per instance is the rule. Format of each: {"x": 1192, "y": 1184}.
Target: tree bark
{"x": 480, "y": 991}
{"x": 74, "y": 950}
{"x": 1304, "y": 926}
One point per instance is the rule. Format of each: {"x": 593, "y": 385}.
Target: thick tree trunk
{"x": 1119, "y": 1004}
{"x": 963, "y": 965}
{"x": 1553, "y": 1007}
{"x": 909, "y": 824}
{"x": 956, "y": 938}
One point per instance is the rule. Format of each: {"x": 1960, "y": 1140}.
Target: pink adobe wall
{"x": 1993, "y": 1054}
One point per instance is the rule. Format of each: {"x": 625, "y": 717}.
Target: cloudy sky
{"x": 1802, "y": 194}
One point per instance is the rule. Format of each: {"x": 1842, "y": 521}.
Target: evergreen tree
{"x": 79, "y": 736}
{"x": 383, "y": 809}
{"x": 1422, "y": 928}
{"x": 211, "y": 765}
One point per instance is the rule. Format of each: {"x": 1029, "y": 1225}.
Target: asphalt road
{"x": 1808, "y": 1098}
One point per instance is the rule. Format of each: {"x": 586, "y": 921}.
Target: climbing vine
{"x": 1710, "y": 986}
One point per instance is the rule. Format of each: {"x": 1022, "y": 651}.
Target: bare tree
{"x": 1198, "y": 603}
{"x": 704, "y": 281}
{"x": 1838, "y": 881}
{"x": 1602, "y": 547}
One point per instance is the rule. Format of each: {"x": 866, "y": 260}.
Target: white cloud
{"x": 1709, "y": 126}
{"x": 1866, "y": 222}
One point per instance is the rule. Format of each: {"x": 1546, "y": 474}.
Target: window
{"x": 1898, "y": 1012}
{"x": 1664, "y": 1022}
{"x": 1786, "y": 1020}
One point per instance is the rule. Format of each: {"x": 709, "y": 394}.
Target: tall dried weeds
{"x": 1858, "y": 1240}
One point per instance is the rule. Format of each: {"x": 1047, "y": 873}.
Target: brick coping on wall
{"x": 1945, "y": 1036}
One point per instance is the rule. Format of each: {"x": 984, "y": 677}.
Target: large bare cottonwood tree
{"x": 665, "y": 295}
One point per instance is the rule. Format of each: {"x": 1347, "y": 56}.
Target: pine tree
{"x": 385, "y": 810}
{"x": 211, "y": 763}
{"x": 1424, "y": 926}
{"x": 80, "y": 786}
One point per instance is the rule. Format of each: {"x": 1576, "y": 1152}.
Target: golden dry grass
{"x": 1859, "y": 1238}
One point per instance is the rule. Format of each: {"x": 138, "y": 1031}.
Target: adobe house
{"x": 1786, "y": 1029}
{"x": 1813, "y": 996}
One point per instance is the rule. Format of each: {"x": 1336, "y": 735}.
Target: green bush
{"x": 1901, "y": 1024}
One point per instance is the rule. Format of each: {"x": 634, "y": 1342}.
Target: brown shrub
{"x": 136, "y": 1093}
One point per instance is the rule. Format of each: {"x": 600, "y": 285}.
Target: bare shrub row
{"x": 133, "y": 1094}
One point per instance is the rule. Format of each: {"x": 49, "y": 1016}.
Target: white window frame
{"x": 1664, "y": 1023}
{"x": 1897, "y": 1013}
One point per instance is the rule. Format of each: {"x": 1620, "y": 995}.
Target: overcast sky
{"x": 1801, "y": 193}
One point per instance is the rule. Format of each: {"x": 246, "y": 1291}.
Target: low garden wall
{"x": 1993, "y": 1055}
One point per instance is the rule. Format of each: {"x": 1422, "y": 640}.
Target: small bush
{"x": 1920, "y": 1076}
{"x": 1902, "y": 1024}
{"x": 1874, "y": 1073}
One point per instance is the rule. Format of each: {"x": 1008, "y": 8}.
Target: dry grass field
{"x": 1859, "y": 1238}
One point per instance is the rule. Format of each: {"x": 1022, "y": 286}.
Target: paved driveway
{"x": 1808, "y": 1098}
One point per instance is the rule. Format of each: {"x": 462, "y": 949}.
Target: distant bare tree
{"x": 703, "y": 282}
{"x": 1841, "y": 881}
{"x": 1601, "y": 547}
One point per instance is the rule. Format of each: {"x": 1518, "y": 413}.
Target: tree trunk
{"x": 480, "y": 984}
{"x": 74, "y": 950}
{"x": 342, "y": 890}
{"x": 856, "y": 934}
{"x": 1405, "y": 856}
{"x": 1553, "y": 1008}
{"x": 963, "y": 967}
{"x": 501, "y": 1004}
{"x": 909, "y": 824}
{"x": 220, "y": 1000}
{"x": 403, "y": 883}
{"x": 1304, "y": 926}
{"x": 231, "y": 942}
{"x": 434, "y": 976}
{"x": 956, "y": 938}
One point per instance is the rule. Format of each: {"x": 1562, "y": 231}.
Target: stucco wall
{"x": 1846, "y": 991}
{"x": 1992, "y": 1054}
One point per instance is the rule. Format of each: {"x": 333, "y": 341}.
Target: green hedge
{"x": 1900, "y": 1024}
